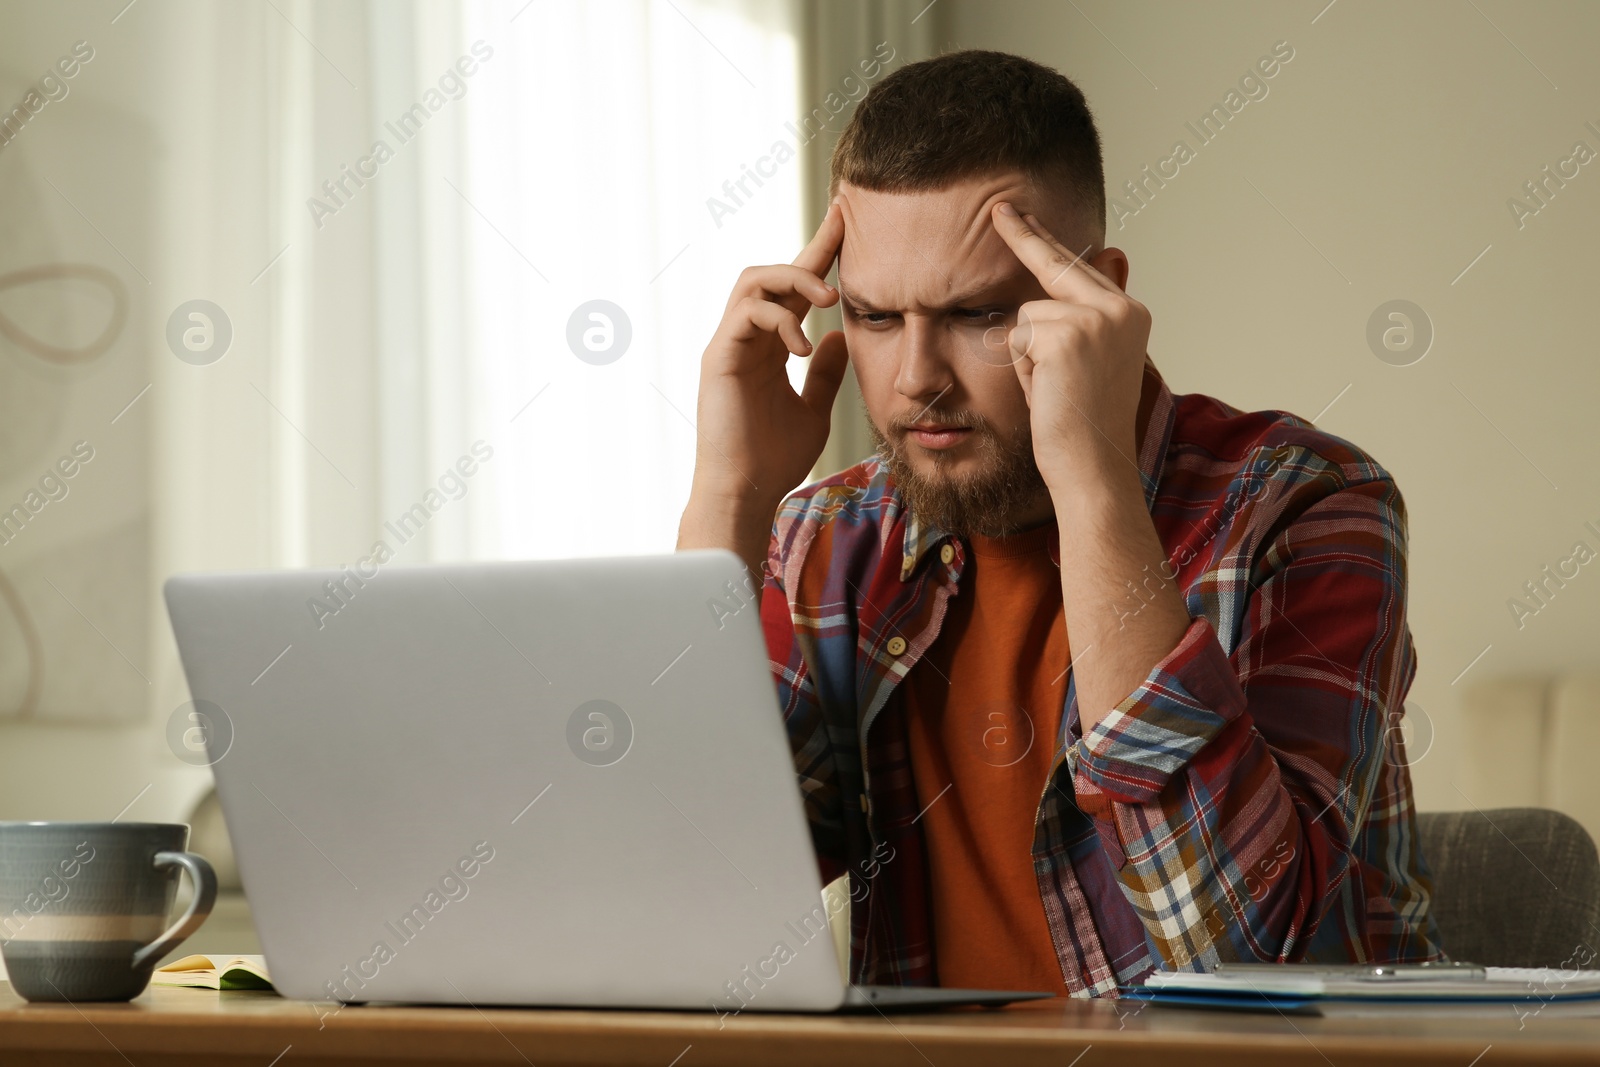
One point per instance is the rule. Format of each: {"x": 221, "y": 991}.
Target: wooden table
{"x": 169, "y": 1027}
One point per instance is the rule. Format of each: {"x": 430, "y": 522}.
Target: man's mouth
{"x": 929, "y": 435}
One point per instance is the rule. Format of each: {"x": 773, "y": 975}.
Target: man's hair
{"x": 973, "y": 113}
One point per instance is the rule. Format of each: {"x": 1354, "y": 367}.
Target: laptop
{"x": 530, "y": 783}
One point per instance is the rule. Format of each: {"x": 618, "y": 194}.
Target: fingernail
{"x": 1007, "y": 209}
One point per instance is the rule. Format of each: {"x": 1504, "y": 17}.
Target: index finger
{"x": 1065, "y": 274}
{"x": 818, "y": 256}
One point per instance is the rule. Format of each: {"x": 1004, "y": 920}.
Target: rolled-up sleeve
{"x": 1157, "y": 730}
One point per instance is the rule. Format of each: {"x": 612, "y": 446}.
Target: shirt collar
{"x": 1152, "y": 428}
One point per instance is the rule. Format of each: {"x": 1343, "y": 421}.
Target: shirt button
{"x": 897, "y": 645}
{"x": 863, "y": 802}
{"x": 947, "y": 553}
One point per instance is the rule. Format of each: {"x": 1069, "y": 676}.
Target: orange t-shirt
{"x": 982, "y": 711}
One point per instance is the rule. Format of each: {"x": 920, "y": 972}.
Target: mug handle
{"x": 205, "y": 895}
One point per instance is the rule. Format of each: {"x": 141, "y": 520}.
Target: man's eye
{"x": 980, "y": 316}
{"x": 877, "y": 318}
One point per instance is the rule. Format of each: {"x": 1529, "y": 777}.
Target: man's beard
{"x": 995, "y": 501}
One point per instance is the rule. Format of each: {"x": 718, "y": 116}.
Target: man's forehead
{"x": 931, "y": 247}
{"x": 962, "y": 195}
{"x": 957, "y": 217}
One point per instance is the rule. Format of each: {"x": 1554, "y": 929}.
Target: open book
{"x": 215, "y": 972}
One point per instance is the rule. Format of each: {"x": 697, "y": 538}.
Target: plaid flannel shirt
{"x": 1249, "y": 800}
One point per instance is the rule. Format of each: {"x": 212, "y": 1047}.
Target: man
{"x": 1083, "y": 678}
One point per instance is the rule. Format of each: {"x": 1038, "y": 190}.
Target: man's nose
{"x": 926, "y": 371}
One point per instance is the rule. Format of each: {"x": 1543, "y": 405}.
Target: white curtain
{"x": 576, "y": 166}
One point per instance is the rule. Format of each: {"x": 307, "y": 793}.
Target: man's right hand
{"x": 758, "y": 438}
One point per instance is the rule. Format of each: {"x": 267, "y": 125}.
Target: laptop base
{"x": 859, "y": 998}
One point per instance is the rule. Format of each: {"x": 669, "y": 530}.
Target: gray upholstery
{"x": 1514, "y": 887}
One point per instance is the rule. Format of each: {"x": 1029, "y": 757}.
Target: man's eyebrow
{"x": 853, "y": 300}
{"x": 961, "y": 299}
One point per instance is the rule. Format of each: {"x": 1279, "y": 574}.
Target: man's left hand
{"x": 1079, "y": 354}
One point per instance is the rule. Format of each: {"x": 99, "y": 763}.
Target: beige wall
{"x": 1378, "y": 165}
{"x": 177, "y": 214}
{"x": 50, "y": 766}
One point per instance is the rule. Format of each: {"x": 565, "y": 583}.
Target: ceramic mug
{"x": 83, "y": 905}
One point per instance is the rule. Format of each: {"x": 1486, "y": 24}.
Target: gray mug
{"x": 83, "y": 904}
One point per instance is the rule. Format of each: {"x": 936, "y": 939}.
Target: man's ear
{"x": 1113, "y": 263}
